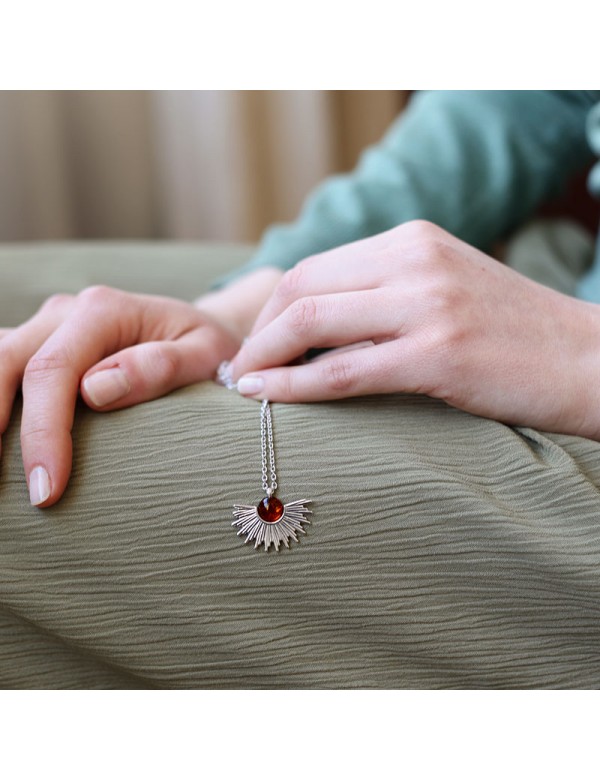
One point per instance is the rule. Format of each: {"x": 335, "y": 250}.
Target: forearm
{"x": 476, "y": 163}
{"x": 238, "y": 304}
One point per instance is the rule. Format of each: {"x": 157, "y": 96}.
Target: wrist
{"x": 237, "y": 306}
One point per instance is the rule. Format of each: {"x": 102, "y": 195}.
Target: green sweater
{"x": 477, "y": 163}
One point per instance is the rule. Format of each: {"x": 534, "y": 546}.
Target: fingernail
{"x": 39, "y": 485}
{"x": 248, "y": 385}
{"x": 105, "y": 387}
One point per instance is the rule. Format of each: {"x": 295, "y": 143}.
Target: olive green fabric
{"x": 445, "y": 550}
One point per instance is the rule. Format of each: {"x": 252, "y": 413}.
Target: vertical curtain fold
{"x": 215, "y": 165}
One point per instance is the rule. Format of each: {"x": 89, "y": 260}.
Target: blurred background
{"x": 215, "y": 165}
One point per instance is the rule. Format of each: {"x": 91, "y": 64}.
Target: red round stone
{"x": 270, "y": 509}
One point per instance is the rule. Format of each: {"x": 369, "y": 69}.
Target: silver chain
{"x": 266, "y": 432}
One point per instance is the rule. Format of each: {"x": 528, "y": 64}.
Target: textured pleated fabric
{"x": 444, "y": 551}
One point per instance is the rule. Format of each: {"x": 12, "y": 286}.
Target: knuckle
{"x": 162, "y": 362}
{"x": 419, "y": 230}
{"x": 36, "y": 433}
{"x": 424, "y": 248}
{"x": 292, "y": 281}
{"x": 443, "y": 297}
{"x": 57, "y": 301}
{"x": 429, "y": 240}
{"x": 446, "y": 346}
{"x": 44, "y": 363}
{"x": 339, "y": 374}
{"x": 288, "y": 384}
{"x": 448, "y": 296}
{"x": 96, "y": 294}
{"x": 302, "y": 315}
{"x": 455, "y": 334}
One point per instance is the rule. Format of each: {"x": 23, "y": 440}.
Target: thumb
{"x": 150, "y": 370}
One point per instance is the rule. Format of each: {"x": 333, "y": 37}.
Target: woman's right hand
{"x": 115, "y": 348}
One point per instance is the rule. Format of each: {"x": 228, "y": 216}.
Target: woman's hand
{"x": 117, "y": 349}
{"x": 427, "y": 313}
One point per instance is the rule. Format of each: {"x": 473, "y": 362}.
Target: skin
{"x": 158, "y": 343}
{"x": 420, "y": 311}
{"x": 410, "y": 310}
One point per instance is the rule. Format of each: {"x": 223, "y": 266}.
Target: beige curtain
{"x": 217, "y": 165}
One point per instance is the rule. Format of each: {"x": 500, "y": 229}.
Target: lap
{"x": 445, "y": 550}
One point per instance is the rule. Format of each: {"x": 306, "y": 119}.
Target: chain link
{"x": 266, "y": 433}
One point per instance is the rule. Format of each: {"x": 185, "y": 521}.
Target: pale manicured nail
{"x": 248, "y": 385}
{"x": 106, "y": 387}
{"x": 39, "y": 485}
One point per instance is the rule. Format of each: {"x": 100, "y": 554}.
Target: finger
{"x": 99, "y": 325}
{"x": 342, "y": 269}
{"x": 395, "y": 366}
{"x": 17, "y": 345}
{"x": 9, "y": 385}
{"x": 338, "y": 350}
{"x": 147, "y": 371}
{"x": 320, "y": 321}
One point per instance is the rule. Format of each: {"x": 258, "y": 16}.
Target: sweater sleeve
{"x": 476, "y": 163}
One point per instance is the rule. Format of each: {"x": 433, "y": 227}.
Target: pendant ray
{"x": 263, "y": 532}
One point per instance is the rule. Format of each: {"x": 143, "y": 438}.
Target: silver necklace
{"x": 270, "y": 521}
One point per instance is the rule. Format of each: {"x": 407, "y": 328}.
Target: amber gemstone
{"x": 270, "y": 509}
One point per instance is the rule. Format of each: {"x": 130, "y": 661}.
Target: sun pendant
{"x": 271, "y": 522}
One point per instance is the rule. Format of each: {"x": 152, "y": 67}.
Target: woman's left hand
{"x": 417, "y": 310}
